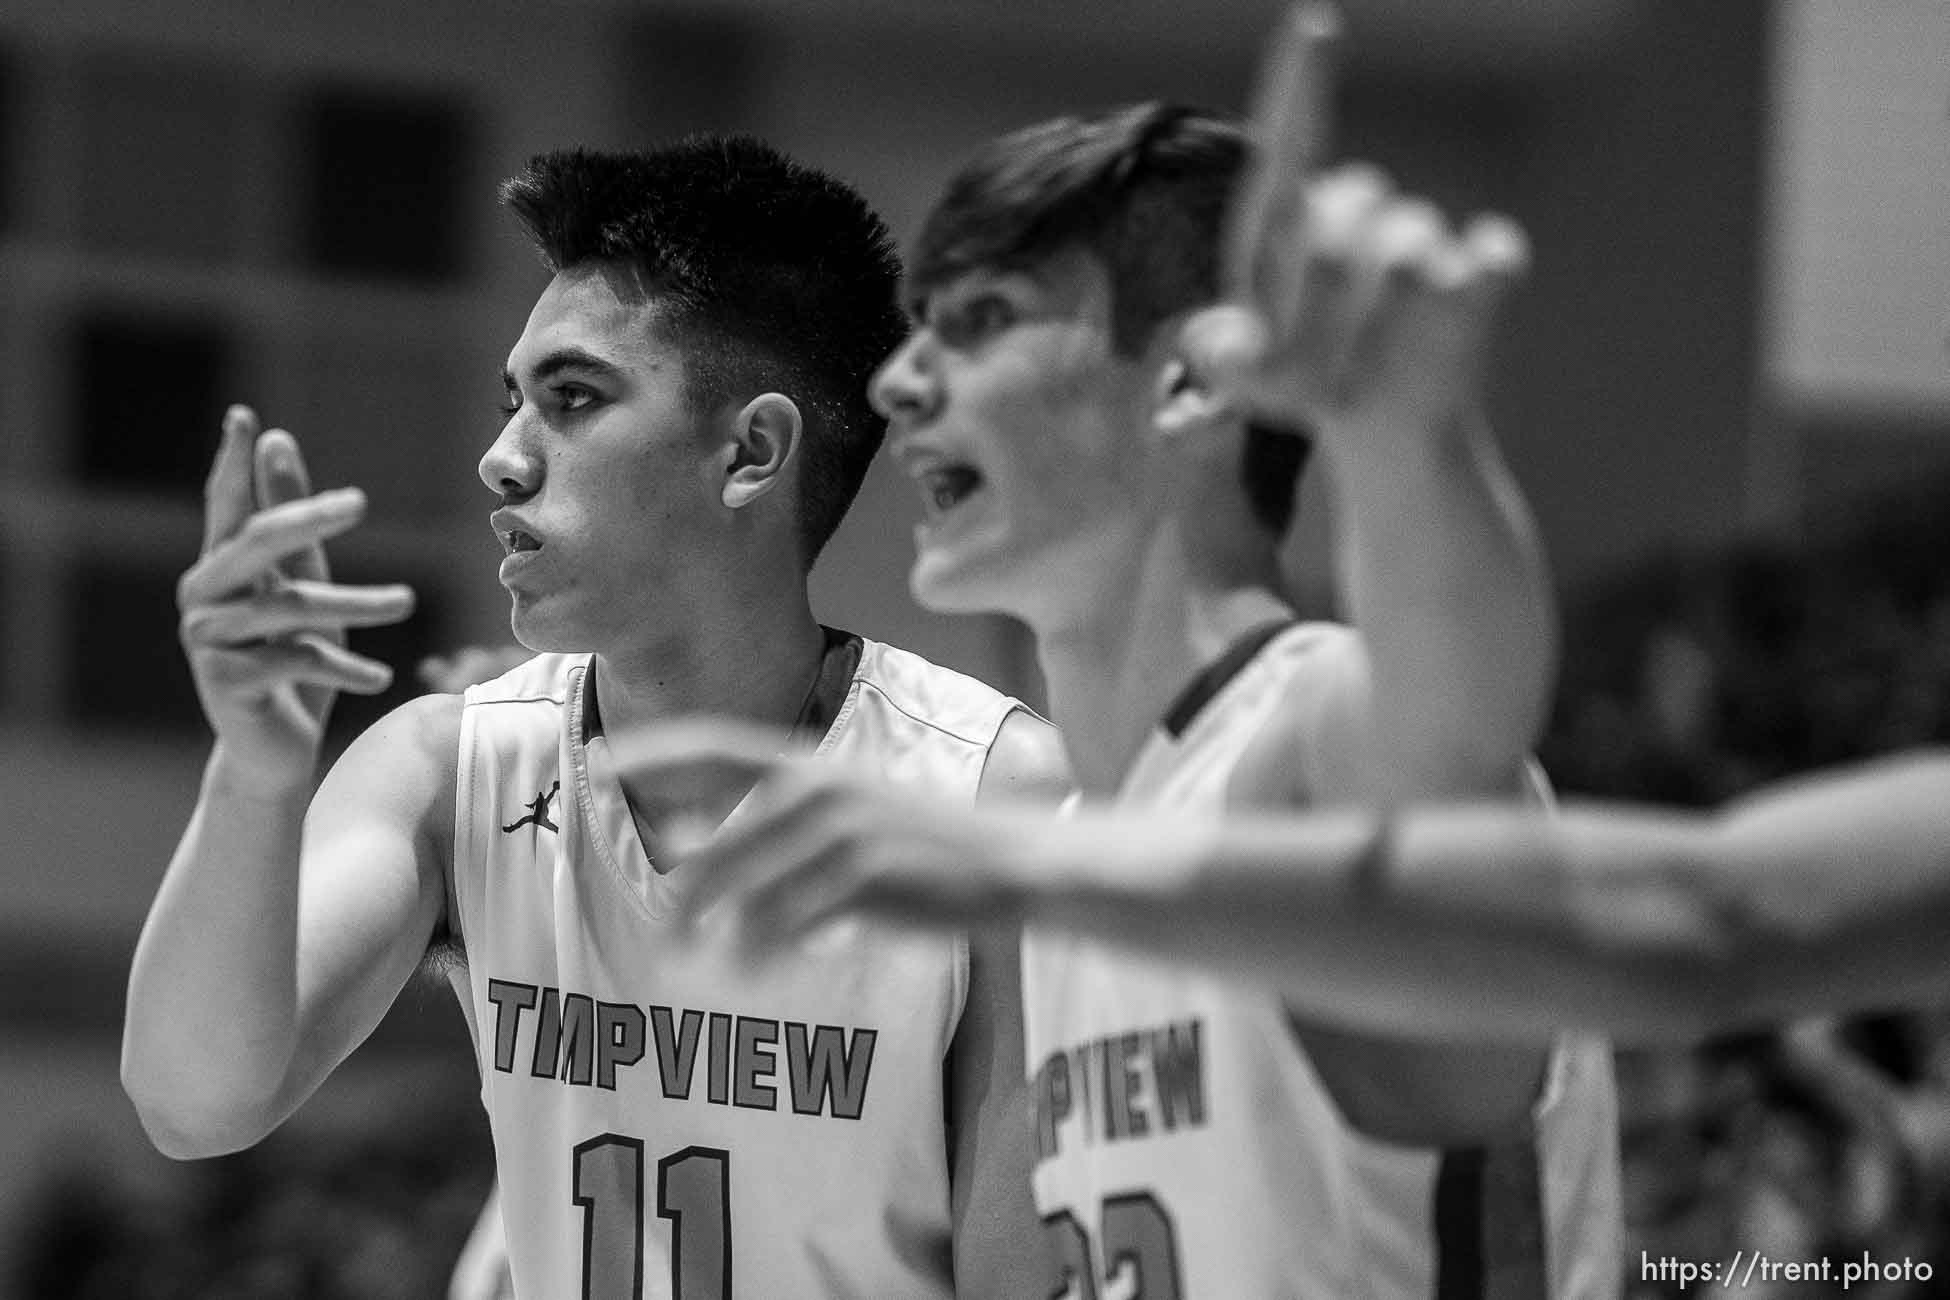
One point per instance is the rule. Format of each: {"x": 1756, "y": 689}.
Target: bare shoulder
{"x": 1314, "y": 741}
{"x": 423, "y": 730}
{"x": 401, "y": 770}
{"x": 1026, "y": 761}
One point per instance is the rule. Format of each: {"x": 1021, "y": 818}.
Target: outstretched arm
{"x": 278, "y": 936}
{"x": 1827, "y": 894}
{"x": 1461, "y": 921}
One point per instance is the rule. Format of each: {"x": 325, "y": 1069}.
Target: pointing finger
{"x": 1291, "y": 133}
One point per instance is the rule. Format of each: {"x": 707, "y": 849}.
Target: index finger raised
{"x": 227, "y": 499}
{"x": 1291, "y": 131}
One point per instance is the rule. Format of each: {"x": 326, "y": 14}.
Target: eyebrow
{"x": 973, "y": 281}
{"x": 563, "y": 359}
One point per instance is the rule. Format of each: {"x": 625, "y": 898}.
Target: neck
{"x": 752, "y": 659}
{"x": 1114, "y": 668}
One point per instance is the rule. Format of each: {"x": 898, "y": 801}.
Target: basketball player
{"x": 1092, "y": 469}
{"x": 686, "y": 423}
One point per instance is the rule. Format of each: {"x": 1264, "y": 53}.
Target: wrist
{"x": 232, "y": 775}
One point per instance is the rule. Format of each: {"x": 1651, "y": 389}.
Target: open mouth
{"x": 946, "y": 486}
{"x": 516, "y": 541}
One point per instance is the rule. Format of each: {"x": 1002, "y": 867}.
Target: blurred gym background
{"x": 1726, "y": 392}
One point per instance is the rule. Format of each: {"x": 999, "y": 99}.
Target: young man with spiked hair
{"x": 686, "y": 422}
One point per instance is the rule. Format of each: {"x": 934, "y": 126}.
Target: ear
{"x": 764, "y": 437}
{"x": 1207, "y": 361}
{"x": 1187, "y": 412}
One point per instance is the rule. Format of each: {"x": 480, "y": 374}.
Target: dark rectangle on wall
{"x": 386, "y": 183}
{"x": 148, "y": 392}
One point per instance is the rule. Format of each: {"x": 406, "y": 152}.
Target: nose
{"x": 906, "y": 387}
{"x": 510, "y": 468}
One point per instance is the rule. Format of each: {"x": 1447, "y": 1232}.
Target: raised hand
{"x": 262, "y": 623}
{"x": 1351, "y": 308}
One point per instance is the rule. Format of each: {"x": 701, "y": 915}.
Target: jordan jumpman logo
{"x": 537, "y": 813}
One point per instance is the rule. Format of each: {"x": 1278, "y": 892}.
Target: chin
{"x": 940, "y": 585}
{"x": 540, "y": 633}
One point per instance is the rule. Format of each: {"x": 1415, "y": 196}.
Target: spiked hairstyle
{"x": 768, "y": 274}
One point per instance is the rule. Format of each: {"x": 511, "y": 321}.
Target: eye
{"x": 979, "y": 318}
{"x": 509, "y": 404}
{"x": 573, "y": 397}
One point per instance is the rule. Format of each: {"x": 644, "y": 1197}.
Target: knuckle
{"x": 1416, "y": 209}
{"x": 285, "y": 597}
{"x": 195, "y": 625}
{"x": 254, "y": 529}
{"x": 1361, "y": 177}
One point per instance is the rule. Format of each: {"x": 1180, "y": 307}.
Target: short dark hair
{"x": 1144, "y": 189}
{"x": 769, "y": 273}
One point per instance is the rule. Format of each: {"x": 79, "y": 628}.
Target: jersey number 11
{"x": 693, "y": 1192}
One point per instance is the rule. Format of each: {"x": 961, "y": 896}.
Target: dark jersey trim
{"x": 840, "y": 661}
{"x": 1214, "y": 677}
{"x": 1490, "y": 1233}
{"x": 1459, "y": 1225}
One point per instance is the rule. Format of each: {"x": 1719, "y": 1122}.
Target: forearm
{"x": 1444, "y": 577}
{"x": 1490, "y": 921}
{"x": 998, "y": 1235}
{"x": 212, "y": 1007}
{"x": 1459, "y": 925}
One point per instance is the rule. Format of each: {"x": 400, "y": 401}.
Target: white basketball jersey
{"x": 668, "y": 1123}
{"x": 1186, "y": 1147}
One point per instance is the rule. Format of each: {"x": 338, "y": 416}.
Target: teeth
{"x": 520, "y": 541}
{"x": 949, "y": 486}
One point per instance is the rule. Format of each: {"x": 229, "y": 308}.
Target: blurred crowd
{"x": 373, "y": 1206}
{"x": 1687, "y": 681}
